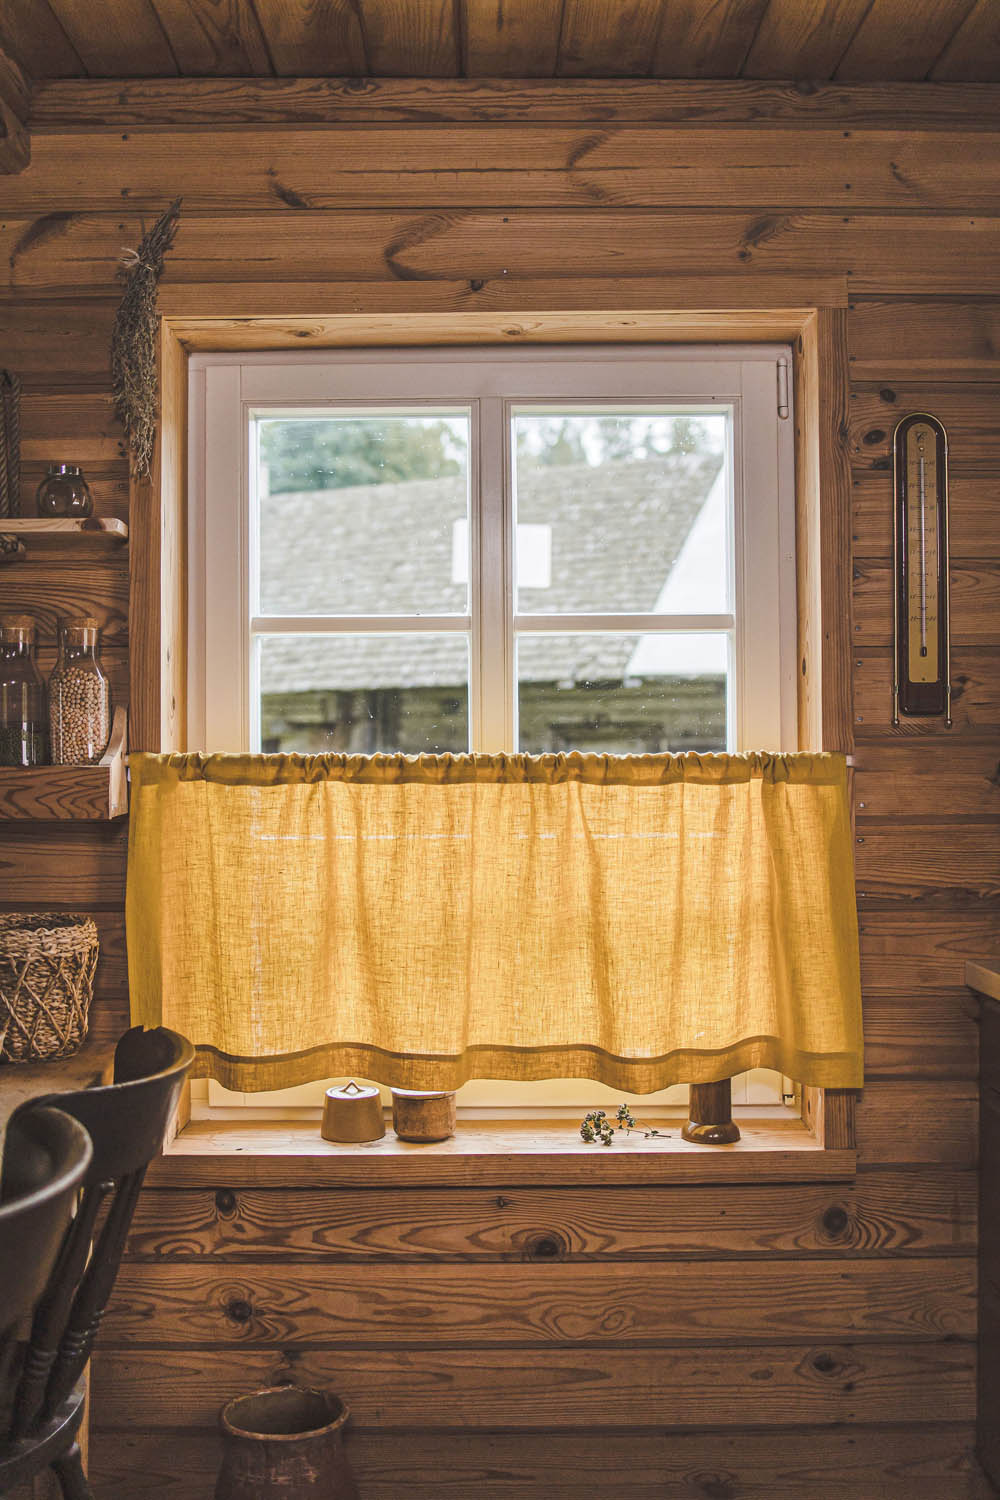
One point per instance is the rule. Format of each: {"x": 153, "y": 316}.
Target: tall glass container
{"x": 79, "y": 696}
{"x": 23, "y": 720}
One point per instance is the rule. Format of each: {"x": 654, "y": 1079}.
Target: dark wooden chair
{"x": 127, "y": 1121}
{"x": 46, "y": 1154}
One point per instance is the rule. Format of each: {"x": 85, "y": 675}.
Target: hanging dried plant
{"x": 133, "y": 339}
{"x": 11, "y": 547}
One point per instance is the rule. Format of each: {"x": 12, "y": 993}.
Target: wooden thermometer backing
{"x": 922, "y": 678}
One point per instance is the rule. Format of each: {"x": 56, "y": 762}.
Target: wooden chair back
{"x": 127, "y": 1121}
{"x": 46, "y": 1155}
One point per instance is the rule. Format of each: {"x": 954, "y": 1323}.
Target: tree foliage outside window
{"x": 330, "y": 454}
{"x": 335, "y": 454}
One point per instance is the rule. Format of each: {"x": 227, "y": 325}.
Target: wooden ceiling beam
{"x": 15, "y": 97}
{"x": 229, "y": 102}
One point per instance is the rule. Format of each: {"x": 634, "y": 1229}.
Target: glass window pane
{"x": 622, "y": 512}
{"x": 364, "y": 514}
{"x": 364, "y": 693}
{"x": 622, "y": 694}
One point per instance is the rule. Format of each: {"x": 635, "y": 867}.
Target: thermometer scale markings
{"x": 922, "y": 561}
{"x": 921, "y": 685}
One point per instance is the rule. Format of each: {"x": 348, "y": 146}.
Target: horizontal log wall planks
{"x": 511, "y": 1342}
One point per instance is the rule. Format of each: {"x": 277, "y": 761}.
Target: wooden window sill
{"x": 484, "y": 1153}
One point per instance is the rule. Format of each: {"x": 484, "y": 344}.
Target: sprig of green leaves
{"x": 596, "y": 1126}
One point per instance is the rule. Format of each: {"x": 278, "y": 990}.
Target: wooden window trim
{"x": 157, "y": 602}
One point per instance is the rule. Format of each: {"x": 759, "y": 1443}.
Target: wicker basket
{"x": 47, "y": 965}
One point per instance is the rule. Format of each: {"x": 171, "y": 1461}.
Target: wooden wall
{"x": 722, "y": 1343}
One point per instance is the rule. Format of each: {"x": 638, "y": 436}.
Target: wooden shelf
{"x": 70, "y": 792}
{"x": 40, "y": 533}
{"x": 483, "y": 1153}
{"x": 19, "y": 1082}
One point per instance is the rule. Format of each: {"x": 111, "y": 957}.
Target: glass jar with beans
{"x": 79, "y": 696}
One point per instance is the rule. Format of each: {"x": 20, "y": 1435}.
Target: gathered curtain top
{"x": 814, "y": 768}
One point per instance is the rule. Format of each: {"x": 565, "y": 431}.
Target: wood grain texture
{"x": 15, "y": 86}
{"x": 969, "y": 413}
{"x": 63, "y": 866}
{"x": 643, "y": 310}
{"x": 77, "y": 793}
{"x": 15, "y": 143}
{"x": 608, "y": 40}
{"x": 511, "y": 38}
{"x": 916, "y": 862}
{"x": 974, "y": 49}
{"x": 128, "y": 43}
{"x": 411, "y": 38}
{"x": 705, "y": 39}
{"x": 681, "y": 1387}
{"x": 512, "y": 1152}
{"x": 50, "y": 586}
{"x": 943, "y": 780}
{"x": 351, "y": 101}
{"x": 919, "y": 1121}
{"x": 803, "y": 41}
{"x": 882, "y": 48}
{"x": 975, "y": 697}
{"x": 310, "y": 169}
{"x": 955, "y": 254}
{"x": 451, "y": 1464}
{"x": 881, "y": 1213}
{"x": 85, "y": 539}
{"x": 934, "y": 342}
{"x": 900, "y": 955}
{"x": 831, "y": 539}
{"x": 932, "y": 1035}
{"x": 37, "y": 42}
{"x": 214, "y": 36}
{"x": 82, "y": 425}
{"x": 310, "y": 37}
{"x": 554, "y": 1307}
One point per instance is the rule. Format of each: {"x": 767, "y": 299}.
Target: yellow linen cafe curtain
{"x": 640, "y": 920}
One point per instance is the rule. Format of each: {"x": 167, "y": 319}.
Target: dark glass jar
{"x": 79, "y": 696}
{"x": 23, "y": 718}
{"x": 64, "y": 492}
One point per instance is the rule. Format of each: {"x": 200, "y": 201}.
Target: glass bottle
{"x": 64, "y": 492}
{"x": 23, "y": 720}
{"x": 79, "y": 696}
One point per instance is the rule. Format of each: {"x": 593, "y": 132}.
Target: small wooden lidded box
{"x": 353, "y": 1114}
{"x": 423, "y": 1117}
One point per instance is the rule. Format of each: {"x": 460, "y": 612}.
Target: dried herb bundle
{"x": 133, "y": 339}
{"x": 10, "y": 460}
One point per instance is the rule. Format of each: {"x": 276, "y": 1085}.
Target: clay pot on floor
{"x": 285, "y": 1443}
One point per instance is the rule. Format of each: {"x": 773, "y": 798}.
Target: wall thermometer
{"x": 922, "y": 679}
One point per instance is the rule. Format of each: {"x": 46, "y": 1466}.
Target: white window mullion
{"x": 222, "y": 586}
{"x": 628, "y": 624}
{"x": 492, "y": 653}
{"x": 358, "y": 624}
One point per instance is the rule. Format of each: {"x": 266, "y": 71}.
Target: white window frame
{"x": 227, "y": 390}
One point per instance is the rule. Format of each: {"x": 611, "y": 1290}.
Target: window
{"x": 441, "y": 550}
